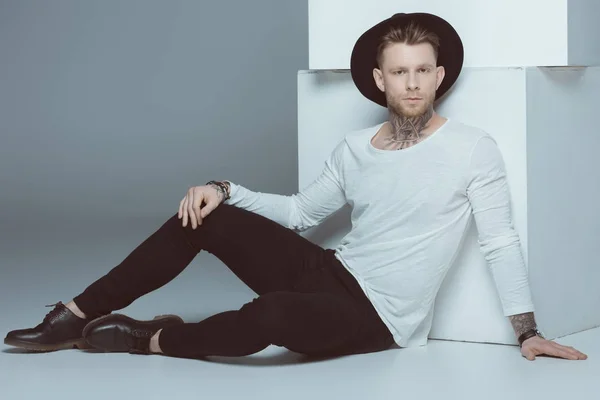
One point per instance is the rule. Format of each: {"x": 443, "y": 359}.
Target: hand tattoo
{"x": 522, "y": 322}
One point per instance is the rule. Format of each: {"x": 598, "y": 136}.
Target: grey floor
{"x": 55, "y": 266}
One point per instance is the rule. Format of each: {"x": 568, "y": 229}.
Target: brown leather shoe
{"x": 120, "y": 333}
{"x": 59, "y": 330}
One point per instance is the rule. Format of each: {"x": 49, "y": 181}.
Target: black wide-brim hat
{"x": 364, "y": 54}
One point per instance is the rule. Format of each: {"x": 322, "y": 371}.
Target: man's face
{"x": 409, "y": 77}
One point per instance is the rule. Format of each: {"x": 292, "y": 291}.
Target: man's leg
{"x": 263, "y": 254}
{"x": 317, "y": 324}
{"x": 325, "y": 314}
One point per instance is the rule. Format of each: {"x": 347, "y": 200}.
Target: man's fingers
{"x": 555, "y": 349}
{"x": 191, "y": 206}
{"x": 574, "y": 352}
{"x": 550, "y": 348}
{"x": 198, "y": 199}
{"x": 208, "y": 209}
{"x": 192, "y": 215}
{"x": 564, "y": 353}
{"x": 180, "y": 211}
{"x": 185, "y": 211}
{"x": 529, "y": 354}
{"x": 581, "y": 355}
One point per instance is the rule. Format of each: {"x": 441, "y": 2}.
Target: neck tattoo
{"x": 408, "y": 129}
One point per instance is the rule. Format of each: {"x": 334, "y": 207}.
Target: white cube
{"x": 494, "y": 32}
{"x": 545, "y": 124}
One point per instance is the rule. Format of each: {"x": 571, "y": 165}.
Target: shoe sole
{"x": 159, "y": 319}
{"x": 71, "y": 344}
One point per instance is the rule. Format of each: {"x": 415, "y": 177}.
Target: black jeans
{"x": 307, "y": 301}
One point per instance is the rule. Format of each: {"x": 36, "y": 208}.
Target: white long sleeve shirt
{"x": 410, "y": 211}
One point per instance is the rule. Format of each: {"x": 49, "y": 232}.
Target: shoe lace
{"x": 142, "y": 334}
{"x": 140, "y": 340}
{"x": 53, "y": 313}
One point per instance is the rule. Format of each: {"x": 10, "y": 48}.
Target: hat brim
{"x": 364, "y": 53}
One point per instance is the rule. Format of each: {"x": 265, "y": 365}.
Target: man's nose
{"x": 412, "y": 82}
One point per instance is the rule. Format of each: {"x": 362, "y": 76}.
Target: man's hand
{"x": 537, "y": 346}
{"x": 191, "y": 205}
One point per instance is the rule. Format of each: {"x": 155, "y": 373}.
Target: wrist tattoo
{"x": 522, "y": 323}
{"x": 221, "y": 188}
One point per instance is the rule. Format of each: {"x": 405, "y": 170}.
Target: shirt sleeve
{"x": 489, "y": 195}
{"x": 303, "y": 210}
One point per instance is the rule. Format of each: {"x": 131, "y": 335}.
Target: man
{"x": 412, "y": 182}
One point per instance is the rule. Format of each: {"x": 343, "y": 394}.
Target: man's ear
{"x": 378, "y": 77}
{"x": 441, "y": 73}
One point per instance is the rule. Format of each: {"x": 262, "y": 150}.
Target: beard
{"x": 397, "y": 107}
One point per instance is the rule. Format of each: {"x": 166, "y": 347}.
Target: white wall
{"x": 495, "y": 33}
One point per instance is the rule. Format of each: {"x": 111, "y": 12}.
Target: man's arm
{"x": 303, "y": 210}
{"x": 489, "y": 195}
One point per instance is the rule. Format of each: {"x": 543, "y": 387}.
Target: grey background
{"x": 110, "y": 110}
